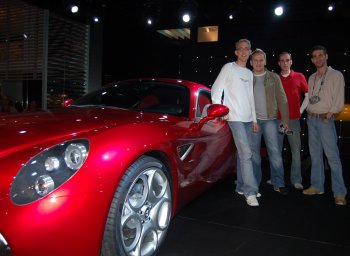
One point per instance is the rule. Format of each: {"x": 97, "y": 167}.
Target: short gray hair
{"x": 243, "y": 40}
{"x": 258, "y": 51}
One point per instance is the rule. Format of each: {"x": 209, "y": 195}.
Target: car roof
{"x": 190, "y": 84}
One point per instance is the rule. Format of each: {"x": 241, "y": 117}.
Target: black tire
{"x": 140, "y": 211}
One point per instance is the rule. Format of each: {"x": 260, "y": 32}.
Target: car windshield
{"x": 148, "y": 96}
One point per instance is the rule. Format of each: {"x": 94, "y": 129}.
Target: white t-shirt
{"x": 236, "y": 83}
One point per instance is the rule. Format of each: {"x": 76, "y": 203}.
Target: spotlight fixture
{"x": 279, "y": 11}
{"x": 186, "y": 17}
{"x": 74, "y": 9}
{"x": 96, "y": 19}
{"x": 230, "y": 16}
{"x": 330, "y": 7}
{"x": 149, "y": 21}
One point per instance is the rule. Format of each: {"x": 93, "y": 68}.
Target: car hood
{"x": 23, "y": 130}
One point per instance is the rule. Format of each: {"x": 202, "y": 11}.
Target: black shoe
{"x": 282, "y": 191}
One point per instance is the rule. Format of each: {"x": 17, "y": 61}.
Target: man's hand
{"x": 285, "y": 126}
{"x": 329, "y": 115}
{"x": 225, "y": 118}
{"x": 255, "y": 127}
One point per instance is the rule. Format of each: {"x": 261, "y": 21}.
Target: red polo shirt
{"x": 294, "y": 85}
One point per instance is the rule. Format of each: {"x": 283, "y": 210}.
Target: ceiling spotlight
{"x": 74, "y": 9}
{"x": 330, "y": 7}
{"x": 279, "y": 11}
{"x": 96, "y": 19}
{"x": 149, "y": 21}
{"x": 186, "y": 17}
{"x": 230, "y": 16}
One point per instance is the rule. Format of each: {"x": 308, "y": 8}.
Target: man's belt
{"x": 323, "y": 116}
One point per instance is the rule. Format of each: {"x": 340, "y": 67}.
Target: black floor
{"x": 220, "y": 223}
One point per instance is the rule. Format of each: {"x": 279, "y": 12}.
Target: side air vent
{"x": 184, "y": 150}
{"x": 4, "y": 247}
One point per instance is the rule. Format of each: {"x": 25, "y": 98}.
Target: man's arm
{"x": 305, "y": 88}
{"x": 305, "y": 102}
{"x": 338, "y": 94}
{"x": 282, "y": 102}
{"x": 218, "y": 87}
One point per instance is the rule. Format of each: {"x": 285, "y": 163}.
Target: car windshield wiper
{"x": 97, "y": 106}
{"x": 87, "y": 105}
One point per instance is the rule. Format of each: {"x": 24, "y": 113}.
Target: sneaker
{"x": 340, "y": 200}
{"x": 312, "y": 191}
{"x": 282, "y": 191}
{"x": 269, "y": 182}
{"x": 298, "y": 186}
{"x": 241, "y": 193}
{"x": 251, "y": 200}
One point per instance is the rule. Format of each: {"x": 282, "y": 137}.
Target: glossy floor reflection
{"x": 220, "y": 223}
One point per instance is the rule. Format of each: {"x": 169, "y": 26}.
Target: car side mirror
{"x": 217, "y": 110}
{"x": 67, "y": 102}
{"x": 214, "y": 111}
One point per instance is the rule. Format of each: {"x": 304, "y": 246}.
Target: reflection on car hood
{"x": 345, "y": 114}
{"x": 22, "y": 130}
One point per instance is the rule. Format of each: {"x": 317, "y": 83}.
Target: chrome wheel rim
{"x": 146, "y": 213}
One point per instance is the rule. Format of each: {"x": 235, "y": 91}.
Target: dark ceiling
{"x": 140, "y": 50}
{"x": 166, "y": 13}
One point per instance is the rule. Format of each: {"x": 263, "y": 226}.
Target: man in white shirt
{"x": 234, "y": 88}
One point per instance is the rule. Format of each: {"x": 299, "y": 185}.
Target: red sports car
{"x": 105, "y": 175}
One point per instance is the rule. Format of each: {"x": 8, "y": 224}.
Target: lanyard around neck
{"x": 322, "y": 82}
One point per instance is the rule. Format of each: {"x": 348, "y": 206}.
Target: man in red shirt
{"x": 294, "y": 84}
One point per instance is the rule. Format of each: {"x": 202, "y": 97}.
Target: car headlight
{"x": 48, "y": 170}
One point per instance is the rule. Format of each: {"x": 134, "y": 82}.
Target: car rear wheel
{"x": 140, "y": 212}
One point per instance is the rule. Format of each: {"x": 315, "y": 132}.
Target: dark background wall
{"x": 142, "y": 52}
{"x": 132, "y": 49}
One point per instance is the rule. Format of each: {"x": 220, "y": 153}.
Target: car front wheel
{"x": 140, "y": 212}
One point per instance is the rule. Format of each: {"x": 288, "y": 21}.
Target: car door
{"x": 210, "y": 149}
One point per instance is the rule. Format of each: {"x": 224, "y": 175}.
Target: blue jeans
{"x": 323, "y": 137}
{"x": 246, "y": 181}
{"x": 295, "y": 147}
{"x": 268, "y": 128}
